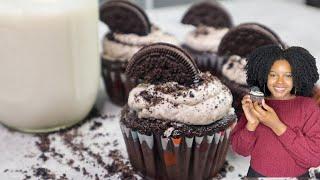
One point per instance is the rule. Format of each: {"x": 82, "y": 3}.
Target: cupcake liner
{"x": 256, "y": 98}
{"x": 116, "y": 82}
{"x": 159, "y": 157}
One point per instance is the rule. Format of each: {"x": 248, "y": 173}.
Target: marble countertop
{"x": 95, "y": 149}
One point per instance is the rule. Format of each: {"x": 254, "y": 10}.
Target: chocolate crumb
{"x": 96, "y": 177}
{"x": 70, "y": 162}
{"x": 231, "y": 168}
{"x": 63, "y": 177}
{"x": 44, "y": 144}
{"x": 43, "y": 173}
{"x": 27, "y": 177}
{"x": 43, "y": 157}
{"x": 77, "y": 168}
{"x": 95, "y": 125}
{"x": 115, "y": 143}
{"x": 84, "y": 171}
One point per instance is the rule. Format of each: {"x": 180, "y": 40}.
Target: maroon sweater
{"x": 290, "y": 154}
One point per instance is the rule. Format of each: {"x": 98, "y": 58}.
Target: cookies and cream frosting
{"x": 123, "y": 46}
{"x": 234, "y": 70}
{"x": 199, "y": 105}
{"x": 256, "y": 93}
{"x": 205, "y": 38}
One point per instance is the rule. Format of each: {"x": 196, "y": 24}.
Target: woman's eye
{"x": 272, "y": 75}
{"x": 289, "y": 75}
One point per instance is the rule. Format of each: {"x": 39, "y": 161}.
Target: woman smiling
{"x": 282, "y": 135}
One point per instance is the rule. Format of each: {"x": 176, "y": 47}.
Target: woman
{"x": 282, "y": 135}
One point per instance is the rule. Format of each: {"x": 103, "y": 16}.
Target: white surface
{"x": 296, "y": 24}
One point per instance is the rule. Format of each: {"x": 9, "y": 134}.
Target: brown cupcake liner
{"x": 117, "y": 84}
{"x": 158, "y": 157}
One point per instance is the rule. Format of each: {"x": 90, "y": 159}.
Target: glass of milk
{"x": 49, "y": 63}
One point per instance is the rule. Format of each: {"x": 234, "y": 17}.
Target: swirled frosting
{"x": 199, "y": 105}
{"x": 123, "y": 46}
{"x": 234, "y": 70}
{"x": 205, "y": 38}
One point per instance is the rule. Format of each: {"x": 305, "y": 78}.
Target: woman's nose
{"x": 280, "y": 80}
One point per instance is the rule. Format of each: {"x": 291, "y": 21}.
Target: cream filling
{"x": 256, "y": 93}
{"x": 126, "y": 45}
{"x": 234, "y": 70}
{"x": 205, "y": 38}
{"x": 208, "y": 103}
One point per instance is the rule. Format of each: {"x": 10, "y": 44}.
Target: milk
{"x": 49, "y": 62}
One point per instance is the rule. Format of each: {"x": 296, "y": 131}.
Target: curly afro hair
{"x": 303, "y": 65}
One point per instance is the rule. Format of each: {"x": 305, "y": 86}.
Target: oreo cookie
{"x": 125, "y": 17}
{"x": 244, "y": 38}
{"x": 314, "y": 3}
{"x": 162, "y": 62}
{"x": 209, "y": 14}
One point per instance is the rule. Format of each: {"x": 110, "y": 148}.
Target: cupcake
{"x": 314, "y": 3}
{"x": 256, "y": 95}
{"x": 130, "y": 30}
{"x": 235, "y": 46}
{"x": 211, "y": 22}
{"x": 177, "y": 121}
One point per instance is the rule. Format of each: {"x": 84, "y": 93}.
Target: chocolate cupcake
{"x": 177, "y": 122}
{"x": 256, "y": 95}
{"x": 235, "y": 46}
{"x": 130, "y": 30}
{"x": 211, "y": 22}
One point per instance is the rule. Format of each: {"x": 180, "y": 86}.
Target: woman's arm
{"x": 304, "y": 145}
{"x": 242, "y": 140}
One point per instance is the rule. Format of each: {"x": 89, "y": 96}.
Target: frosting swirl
{"x": 123, "y": 46}
{"x": 234, "y": 70}
{"x": 198, "y": 105}
{"x": 205, "y": 38}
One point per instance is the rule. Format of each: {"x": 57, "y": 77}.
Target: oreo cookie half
{"x": 162, "y": 62}
{"x": 244, "y": 38}
{"x": 125, "y": 17}
{"x": 209, "y": 14}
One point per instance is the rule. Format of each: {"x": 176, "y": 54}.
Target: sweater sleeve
{"x": 242, "y": 140}
{"x": 304, "y": 144}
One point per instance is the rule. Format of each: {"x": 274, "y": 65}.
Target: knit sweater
{"x": 290, "y": 154}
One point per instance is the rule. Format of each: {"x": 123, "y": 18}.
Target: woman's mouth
{"x": 279, "y": 89}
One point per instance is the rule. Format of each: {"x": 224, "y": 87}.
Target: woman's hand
{"x": 269, "y": 117}
{"x": 247, "y": 107}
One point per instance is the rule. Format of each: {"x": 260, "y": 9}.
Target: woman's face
{"x": 280, "y": 81}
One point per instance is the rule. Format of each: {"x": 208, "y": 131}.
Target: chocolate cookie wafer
{"x": 244, "y": 38}
{"x": 124, "y": 17}
{"x": 162, "y": 62}
{"x": 209, "y": 14}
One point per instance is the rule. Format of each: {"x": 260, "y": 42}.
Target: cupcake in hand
{"x": 256, "y": 95}
{"x": 177, "y": 121}
{"x": 211, "y": 22}
{"x": 130, "y": 30}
